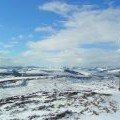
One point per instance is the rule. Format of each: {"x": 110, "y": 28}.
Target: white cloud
{"x": 11, "y": 44}
{"x": 73, "y": 57}
{"x": 58, "y": 7}
{"x": 45, "y": 28}
{"x": 84, "y": 26}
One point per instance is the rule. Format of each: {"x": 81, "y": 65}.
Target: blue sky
{"x": 59, "y": 30}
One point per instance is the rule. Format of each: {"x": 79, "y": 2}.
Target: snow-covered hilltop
{"x": 33, "y": 93}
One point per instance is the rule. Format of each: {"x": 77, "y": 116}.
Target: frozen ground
{"x": 60, "y": 94}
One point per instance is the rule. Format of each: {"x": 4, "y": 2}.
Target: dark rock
{"x": 60, "y": 115}
{"x": 33, "y": 117}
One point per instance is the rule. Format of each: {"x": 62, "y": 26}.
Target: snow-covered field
{"x": 59, "y": 94}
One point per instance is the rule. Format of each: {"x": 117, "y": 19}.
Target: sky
{"x": 60, "y": 32}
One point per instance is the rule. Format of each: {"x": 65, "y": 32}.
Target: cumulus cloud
{"x": 86, "y": 25}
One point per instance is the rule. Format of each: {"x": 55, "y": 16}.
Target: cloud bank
{"x": 82, "y": 25}
{"x": 86, "y": 24}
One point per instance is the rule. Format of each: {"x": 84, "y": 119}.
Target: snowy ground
{"x": 56, "y": 97}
